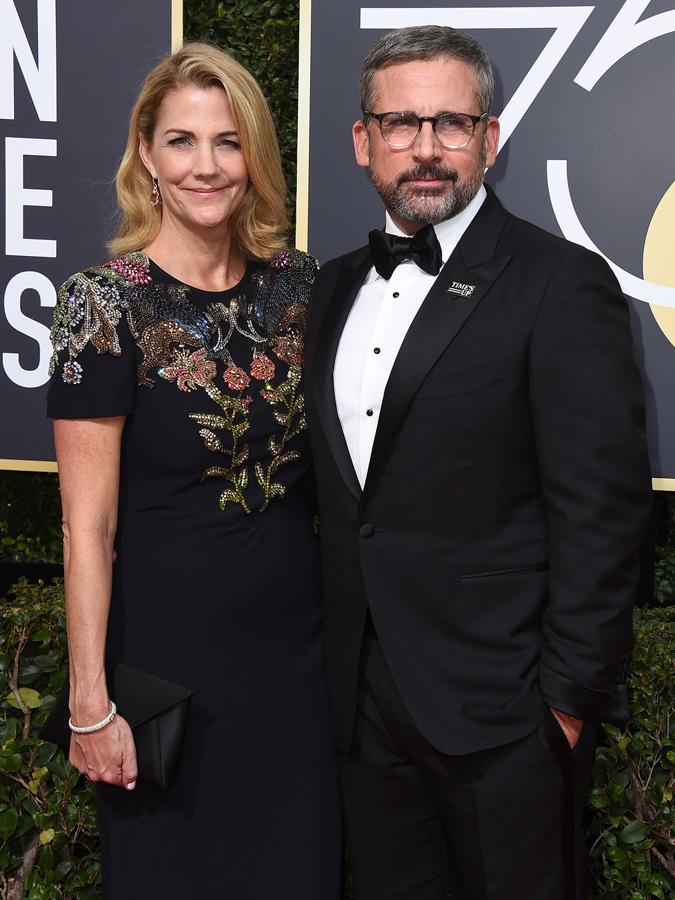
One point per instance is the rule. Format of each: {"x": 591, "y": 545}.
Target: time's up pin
{"x": 461, "y": 290}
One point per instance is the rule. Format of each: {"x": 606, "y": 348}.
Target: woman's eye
{"x": 228, "y": 142}
{"x": 178, "y": 141}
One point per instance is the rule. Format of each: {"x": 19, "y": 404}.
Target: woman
{"x": 189, "y": 549}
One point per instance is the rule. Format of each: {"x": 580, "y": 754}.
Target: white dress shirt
{"x": 377, "y": 324}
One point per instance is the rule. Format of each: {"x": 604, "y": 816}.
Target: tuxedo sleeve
{"x": 588, "y": 420}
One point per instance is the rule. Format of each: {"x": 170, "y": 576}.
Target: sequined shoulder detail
{"x": 282, "y": 284}
{"x": 89, "y": 307}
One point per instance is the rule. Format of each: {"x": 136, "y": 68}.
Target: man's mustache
{"x": 430, "y": 173}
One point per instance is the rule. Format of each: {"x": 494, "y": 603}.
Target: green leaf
{"x": 620, "y": 780}
{"x": 46, "y": 856}
{"x": 25, "y": 825}
{"x": 42, "y": 636}
{"x": 47, "y": 663}
{"x": 9, "y": 819}
{"x": 656, "y": 891}
{"x": 63, "y": 868}
{"x": 61, "y": 769}
{"x": 10, "y": 762}
{"x": 44, "y": 754}
{"x": 634, "y": 832}
{"x": 622, "y": 745}
{"x": 29, "y": 674}
{"x": 30, "y": 698}
{"x": 9, "y": 730}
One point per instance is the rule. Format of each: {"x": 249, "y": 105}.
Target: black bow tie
{"x": 388, "y": 250}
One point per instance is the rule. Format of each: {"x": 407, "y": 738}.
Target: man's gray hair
{"x": 425, "y": 42}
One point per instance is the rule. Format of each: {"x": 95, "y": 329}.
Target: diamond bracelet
{"x": 88, "y": 729}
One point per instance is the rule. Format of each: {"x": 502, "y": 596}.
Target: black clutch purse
{"x": 157, "y": 711}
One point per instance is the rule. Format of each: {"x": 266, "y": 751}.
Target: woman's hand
{"x": 108, "y": 755}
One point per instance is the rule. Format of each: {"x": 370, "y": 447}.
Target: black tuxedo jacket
{"x": 496, "y": 538}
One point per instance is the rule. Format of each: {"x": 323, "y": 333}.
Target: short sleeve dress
{"x": 216, "y": 583}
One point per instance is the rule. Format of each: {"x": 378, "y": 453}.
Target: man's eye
{"x": 454, "y": 123}
{"x": 401, "y": 122}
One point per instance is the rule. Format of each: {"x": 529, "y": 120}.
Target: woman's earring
{"x": 155, "y": 197}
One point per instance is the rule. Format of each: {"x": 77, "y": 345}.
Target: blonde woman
{"x": 181, "y": 439}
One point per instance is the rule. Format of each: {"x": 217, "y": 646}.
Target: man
{"x": 478, "y": 437}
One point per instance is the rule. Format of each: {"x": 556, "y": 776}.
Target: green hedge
{"x": 632, "y": 806}
{"x": 48, "y": 839}
{"x": 48, "y": 833}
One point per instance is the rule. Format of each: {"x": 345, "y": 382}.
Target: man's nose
{"x": 427, "y": 148}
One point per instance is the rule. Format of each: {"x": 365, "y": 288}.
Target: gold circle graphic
{"x": 658, "y": 260}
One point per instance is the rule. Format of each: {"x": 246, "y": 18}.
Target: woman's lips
{"x": 204, "y": 192}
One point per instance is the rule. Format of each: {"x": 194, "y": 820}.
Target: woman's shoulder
{"x": 282, "y": 286}
{"x": 293, "y": 264}
{"x": 90, "y": 305}
{"x": 119, "y": 273}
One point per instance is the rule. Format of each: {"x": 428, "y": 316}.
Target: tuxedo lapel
{"x": 457, "y": 292}
{"x": 348, "y": 282}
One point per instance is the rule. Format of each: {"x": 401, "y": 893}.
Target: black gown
{"x": 216, "y": 583}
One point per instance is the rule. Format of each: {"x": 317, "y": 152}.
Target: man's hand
{"x": 570, "y": 725}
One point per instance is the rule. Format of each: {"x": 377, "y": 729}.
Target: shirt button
{"x": 369, "y": 412}
{"x": 367, "y": 530}
{"x": 376, "y": 350}
{"x": 396, "y": 294}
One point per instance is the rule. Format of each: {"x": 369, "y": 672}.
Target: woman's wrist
{"x": 88, "y": 706}
{"x": 93, "y": 727}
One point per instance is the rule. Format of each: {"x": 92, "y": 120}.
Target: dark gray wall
{"x": 104, "y": 51}
{"x": 617, "y": 139}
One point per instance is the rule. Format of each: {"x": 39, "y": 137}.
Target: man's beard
{"x": 429, "y": 206}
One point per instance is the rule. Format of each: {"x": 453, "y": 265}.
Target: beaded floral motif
{"x": 262, "y": 368}
{"x": 182, "y": 342}
{"x": 289, "y": 412}
{"x": 189, "y": 370}
{"x": 89, "y": 309}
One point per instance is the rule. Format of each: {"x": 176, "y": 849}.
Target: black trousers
{"x": 499, "y": 824}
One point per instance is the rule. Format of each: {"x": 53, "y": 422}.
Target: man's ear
{"x": 146, "y": 157}
{"x": 361, "y": 140}
{"x": 491, "y": 141}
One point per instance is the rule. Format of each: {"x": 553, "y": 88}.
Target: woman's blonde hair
{"x": 259, "y": 223}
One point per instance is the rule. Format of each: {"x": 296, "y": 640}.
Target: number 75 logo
{"x": 624, "y": 34}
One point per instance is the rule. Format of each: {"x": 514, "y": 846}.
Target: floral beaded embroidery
{"x": 89, "y": 309}
{"x": 183, "y": 342}
{"x": 289, "y": 412}
{"x": 189, "y": 370}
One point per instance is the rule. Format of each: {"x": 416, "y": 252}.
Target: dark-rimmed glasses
{"x": 400, "y": 129}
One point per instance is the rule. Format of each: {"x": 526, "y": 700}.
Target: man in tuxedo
{"x": 478, "y": 436}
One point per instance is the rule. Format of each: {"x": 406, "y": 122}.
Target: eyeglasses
{"x": 400, "y": 129}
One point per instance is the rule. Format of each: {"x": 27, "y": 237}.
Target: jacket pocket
{"x": 505, "y": 573}
{"x": 440, "y": 383}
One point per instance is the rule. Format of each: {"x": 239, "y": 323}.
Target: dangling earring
{"x": 155, "y": 197}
